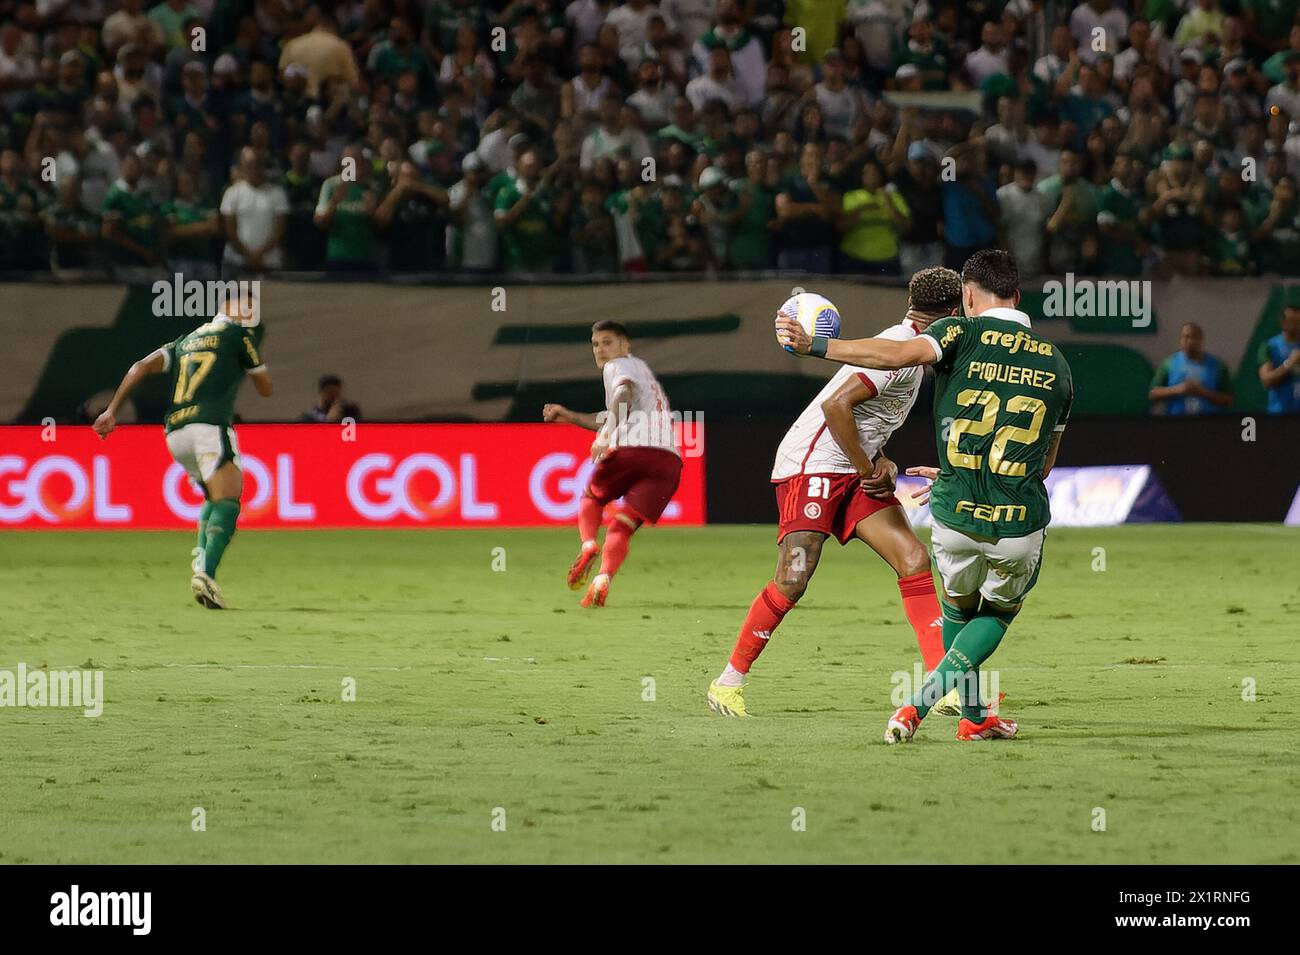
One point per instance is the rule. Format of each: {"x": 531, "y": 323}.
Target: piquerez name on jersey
{"x": 1001, "y": 390}
{"x": 809, "y": 448}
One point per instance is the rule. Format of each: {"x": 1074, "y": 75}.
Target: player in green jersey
{"x": 1006, "y": 392}
{"x": 205, "y": 369}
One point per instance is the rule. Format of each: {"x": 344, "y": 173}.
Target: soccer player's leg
{"x": 223, "y": 485}
{"x": 886, "y": 531}
{"x": 647, "y": 480}
{"x": 798, "y": 553}
{"x": 608, "y": 482}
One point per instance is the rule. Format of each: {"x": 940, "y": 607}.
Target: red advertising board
{"x": 320, "y": 475}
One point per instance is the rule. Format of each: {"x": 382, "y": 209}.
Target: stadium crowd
{"x": 535, "y": 136}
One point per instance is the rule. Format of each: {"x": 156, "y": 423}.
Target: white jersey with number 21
{"x": 809, "y": 448}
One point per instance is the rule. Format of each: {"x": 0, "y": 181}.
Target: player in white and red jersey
{"x": 635, "y": 453}
{"x": 832, "y": 478}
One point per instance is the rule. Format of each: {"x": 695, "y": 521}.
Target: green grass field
{"x": 478, "y": 689}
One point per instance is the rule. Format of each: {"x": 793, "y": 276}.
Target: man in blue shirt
{"x": 970, "y": 204}
{"x": 1191, "y": 382}
{"x": 1279, "y": 364}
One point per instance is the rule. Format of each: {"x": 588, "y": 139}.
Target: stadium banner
{"x": 1081, "y": 497}
{"x": 321, "y": 475}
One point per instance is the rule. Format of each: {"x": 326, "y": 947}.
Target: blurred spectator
{"x": 256, "y": 214}
{"x": 414, "y": 217}
{"x": 1072, "y": 219}
{"x": 970, "y": 209}
{"x": 1024, "y": 211}
{"x": 1191, "y": 382}
{"x": 190, "y": 229}
{"x": 1121, "y": 214}
{"x": 131, "y": 219}
{"x": 346, "y": 212}
{"x": 750, "y": 244}
{"x": 873, "y": 218}
{"x": 72, "y": 230}
{"x": 20, "y": 225}
{"x": 331, "y": 406}
{"x": 591, "y": 230}
{"x": 748, "y": 60}
{"x": 806, "y": 211}
{"x": 472, "y": 239}
{"x": 524, "y": 217}
{"x": 718, "y": 82}
{"x": 321, "y": 52}
{"x": 1279, "y": 364}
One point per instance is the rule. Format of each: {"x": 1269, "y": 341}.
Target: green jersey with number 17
{"x": 206, "y": 367}
{"x": 1001, "y": 391}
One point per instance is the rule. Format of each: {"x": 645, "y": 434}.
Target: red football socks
{"x": 922, "y": 609}
{"x": 765, "y": 615}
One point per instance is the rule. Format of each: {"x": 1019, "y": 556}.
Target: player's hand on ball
{"x": 923, "y": 495}
{"x": 792, "y": 336}
{"x": 552, "y": 412}
{"x": 882, "y": 480}
{"x": 598, "y": 450}
{"x": 105, "y": 424}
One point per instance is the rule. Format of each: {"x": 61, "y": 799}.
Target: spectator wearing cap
{"x": 1024, "y": 212}
{"x": 871, "y": 220}
{"x": 1191, "y": 381}
{"x": 1180, "y": 190}
{"x": 907, "y": 78}
{"x": 747, "y": 58}
{"x": 843, "y": 107}
{"x": 1279, "y": 363}
{"x": 346, "y": 212}
{"x": 718, "y": 211}
{"x": 322, "y": 52}
{"x": 256, "y": 216}
{"x": 171, "y": 17}
{"x": 472, "y": 236}
{"x": 718, "y": 83}
{"x": 917, "y": 178}
{"x": 331, "y": 407}
{"x": 991, "y": 58}
{"x": 807, "y": 209}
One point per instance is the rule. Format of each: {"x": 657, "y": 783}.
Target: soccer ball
{"x": 817, "y": 314}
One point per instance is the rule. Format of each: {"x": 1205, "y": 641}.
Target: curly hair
{"x": 935, "y": 290}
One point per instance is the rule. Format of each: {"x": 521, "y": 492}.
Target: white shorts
{"x": 1001, "y": 571}
{"x": 201, "y": 449}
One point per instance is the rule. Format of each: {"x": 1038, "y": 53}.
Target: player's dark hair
{"x": 609, "y": 325}
{"x": 993, "y": 270}
{"x": 935, "y": 290}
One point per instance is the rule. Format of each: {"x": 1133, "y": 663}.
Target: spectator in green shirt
{"x": 171, "y": 16}
{"x": 751, "y": 239}
{"x": 346, "y": 213}
{"x": 20, "y": 227}
{"x": 132, "y": 224}
{"x": 1071, "y": 227}
{"x": 71, "y": 229}
{"x": 523, "y": 214}
{"x": 190, "y": 229}
{"x": 1228, "y": 250}
{"x": 1120, "y": 205}
{"x": 1277, "y": 233}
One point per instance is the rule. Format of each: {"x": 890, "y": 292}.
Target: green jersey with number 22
{"x": 1001, "y": 390}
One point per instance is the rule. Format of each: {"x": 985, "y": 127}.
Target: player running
{"x": 1007, "y": 392}
{"x": 635, "y": 453}
{"x": 832, "y": 478}
{"x": 205, "y": 368}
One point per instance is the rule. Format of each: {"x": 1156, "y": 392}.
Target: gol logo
{"x": 397, "y": 492}
{"x": 36, "y": 493}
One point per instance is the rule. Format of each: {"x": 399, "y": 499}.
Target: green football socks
{"x": 218, "y": 530}
{"x": 970, "y": 637}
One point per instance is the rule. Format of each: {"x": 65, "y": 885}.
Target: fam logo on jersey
{"x": 812, "y": 510}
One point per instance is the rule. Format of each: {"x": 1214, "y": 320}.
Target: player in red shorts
{"x": 832, "y": 479}
{"x": 635, "y": 453}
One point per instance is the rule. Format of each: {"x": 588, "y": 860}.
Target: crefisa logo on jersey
{"x": 178, "y": 298}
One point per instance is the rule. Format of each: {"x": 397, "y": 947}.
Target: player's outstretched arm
{"x": 554, "y": 412}
{"x": 883, "y": 353}
{"x": 151, "y": 364}
{"x": 262, "y": 382}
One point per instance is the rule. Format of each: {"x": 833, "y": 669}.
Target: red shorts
{"x": 646, "y": 479}
{"x": 827, "y": 503}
